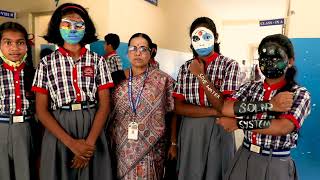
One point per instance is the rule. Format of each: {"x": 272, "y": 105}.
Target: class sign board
{"x": 272, "y": 22}
{"x": 154, "y": 2}
{"x": 7, "y": 14}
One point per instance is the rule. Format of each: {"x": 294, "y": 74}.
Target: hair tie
{"x": 74, "y": 7}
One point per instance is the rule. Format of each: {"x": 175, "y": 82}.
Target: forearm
{"x": 98, "y": 125}
{"x": 243, "y": 108}
{"x": 278, "y": 127}
{"x": 191, "y": 110}
{"x": 100, "y": 117}
{"x": 53, "y": 126}
{"x": 214, "y": 96}
{"x": 173, "y": 128}
{"x": 275, "y": 127}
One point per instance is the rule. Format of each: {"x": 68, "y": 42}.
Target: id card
{"x": 133, "y": 131}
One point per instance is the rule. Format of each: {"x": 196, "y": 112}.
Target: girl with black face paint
{"x": 270, "y": 114}
{"x": 72, "y": 100}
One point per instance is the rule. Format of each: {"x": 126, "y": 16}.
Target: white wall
{"x": 126, "y": 17}
{"x": 179, "y": 16}
{"x": 304, "y": 19}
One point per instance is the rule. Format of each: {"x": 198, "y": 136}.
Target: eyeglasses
{"x": 141, "y": 49}
{"x": 10, "y": 43}
{"x": 69, "y": 24}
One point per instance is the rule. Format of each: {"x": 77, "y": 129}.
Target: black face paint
{"x": 273, "y": 60}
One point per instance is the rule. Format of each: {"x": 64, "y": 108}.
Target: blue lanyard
{"x": 135, "y": 105}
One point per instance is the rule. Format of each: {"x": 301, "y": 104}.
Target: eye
{"x": 132, "y": 48}
{"x": 207, "y": 36}
{"x": 21, "y": 43}
{"x": 143, "y": 49}
{"x": 79, "y": 25}
{"x": 8, "y": 43}
{"x": 195, "y": 38}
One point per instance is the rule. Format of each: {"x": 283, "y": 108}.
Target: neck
{"x": 274, "y": 81}
{"x": 73, "y": 49}
{"x": 205, "y": 58}
{"x": 138, "y": 70}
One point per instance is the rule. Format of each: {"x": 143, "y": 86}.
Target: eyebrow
{"x": 11, "y": 39}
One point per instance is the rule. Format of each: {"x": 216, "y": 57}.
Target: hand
{"x": 196, "y": 67}
{"x": 79, "y": 163}
{"x": 82, "y": 149}
{"x": 282, "y": 102}
{"x": 229, "y": 124}
{"x": 172, "y": 152}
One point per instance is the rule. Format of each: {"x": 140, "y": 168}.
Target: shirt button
{"x": 18, "y": 96}
{"x": 18, "y": 110}
{"x": 17, "y": 82}
{"x": 74, "y": 80}
{"x": 269, "y": 88}
{"x": 254, "y": 136}
{"x": 15, "y": 69}
{"x": 78, "y": 94}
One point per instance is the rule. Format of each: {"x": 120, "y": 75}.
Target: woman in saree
{"x": 141, "y": 99}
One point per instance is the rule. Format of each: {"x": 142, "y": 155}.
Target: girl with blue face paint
{"x": 202, "y": 40}
{"x": 205, "y": 149}
{"x": 76, "y": 82}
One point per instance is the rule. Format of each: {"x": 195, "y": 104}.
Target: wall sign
{"x": 272, "y": 22}
{"x": 8, "y": 14}
{"x": 154, "y": 2}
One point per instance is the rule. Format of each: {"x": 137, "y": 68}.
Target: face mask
{"x": 202, "y": 40}
{"x": 72, "y": 32}
{"x": 273, "y": 61}
{"x": 12, "y": 63}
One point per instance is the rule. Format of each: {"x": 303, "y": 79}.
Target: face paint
{"x": 273, "y": 61}
{"x": 202, "y": 40}
{"x": 72, "y": 31}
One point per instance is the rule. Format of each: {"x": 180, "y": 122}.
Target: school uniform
{"x": 16, "y": 118}
{"x": 204, "y": 148}
{"x": 72, "y": 86}
{"x": 267, "y": 157}
{"x": 113, "y": 61}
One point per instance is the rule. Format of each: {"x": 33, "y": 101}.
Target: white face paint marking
{"x": 202, "y": 38}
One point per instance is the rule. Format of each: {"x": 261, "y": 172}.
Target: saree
{"x": 142, "y": 158}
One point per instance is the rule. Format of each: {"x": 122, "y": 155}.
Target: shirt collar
{"x": 11, "y": 68}
{"x": 110, "y": 53}
{"x": 65, "y": 52}
{"x": 275, "y": 86}
{"x": 211, "y": 58}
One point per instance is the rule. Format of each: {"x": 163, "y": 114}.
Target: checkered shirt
{"x": 114, "y": 62}
{"x": 259, "y": 91}
{"x": 222, "y": 71}
{"x": 68, "y": 81}
{"x": 13, "y": 98}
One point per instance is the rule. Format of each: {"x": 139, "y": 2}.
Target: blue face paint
{"x": 72, "y": 36}
{"x": 204, "y": 51}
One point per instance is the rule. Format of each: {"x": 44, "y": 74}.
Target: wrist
{"x": 69, "y": 142}
{"x": 90, "y": 142}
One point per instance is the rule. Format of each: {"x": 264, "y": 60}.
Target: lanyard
{"x": 135, "y": 105}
